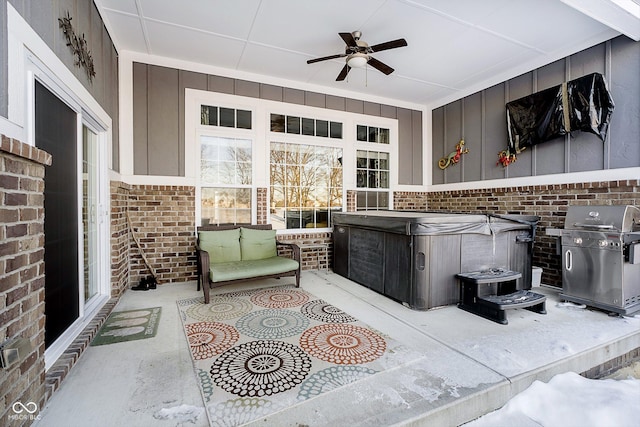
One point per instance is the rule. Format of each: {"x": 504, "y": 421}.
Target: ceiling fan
{"x": 358, "y": 53}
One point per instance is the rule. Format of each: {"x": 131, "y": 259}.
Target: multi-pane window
{"x": 372, "y": 134}
{"x": 372, "y": 174}
{"x": 305, "y": 126}
{"x": 225, "y": 180}
{"x": 306, "y": 185}
{"x": 225, "y": 117}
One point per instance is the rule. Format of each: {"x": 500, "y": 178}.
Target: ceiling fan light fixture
{"x": 357, "y": 60}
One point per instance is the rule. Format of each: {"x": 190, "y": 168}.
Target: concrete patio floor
{"x": 458, "y": 366}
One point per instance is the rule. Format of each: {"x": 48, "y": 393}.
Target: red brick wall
{"x": 163, "y": 218}
{"x": 22, "y": 169}
{"x": 119, "y": 238}
{"x": 550, "y": 202}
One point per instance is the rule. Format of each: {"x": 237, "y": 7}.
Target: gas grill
{"x": 601, "y": 257}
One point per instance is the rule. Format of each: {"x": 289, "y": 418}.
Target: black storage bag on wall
{"x": 581, "y": 104}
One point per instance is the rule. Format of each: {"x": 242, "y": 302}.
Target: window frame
{"x": 214, "y": 131}
{"x": 391, "y": 149}
{"x": 261, "y": 137}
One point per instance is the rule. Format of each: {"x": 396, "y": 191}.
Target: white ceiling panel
{"x": 130, "y": 32}
{"x": 124, "y": 6}
{"x": 309, "y": 26}
{"x": 193, "y": 45}
{"x": 266, "y": 60}
{"x": 454, "y": 46}
{"x": 231, "y": 18}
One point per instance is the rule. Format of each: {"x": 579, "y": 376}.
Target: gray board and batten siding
{"x": 481, "y": 120}
{"x": 158, "y": 117}
{"x": 42, "y": 16}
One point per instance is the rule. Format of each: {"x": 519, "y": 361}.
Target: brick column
{"x": 351, "y": 200}
{"x": 22, "y": 170}
{"x": 262, "y": 201}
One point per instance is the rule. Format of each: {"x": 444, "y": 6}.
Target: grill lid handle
{"x": 596, "y": 226}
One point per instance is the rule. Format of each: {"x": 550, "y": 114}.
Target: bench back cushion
{"x": 257, "y": 244}
{"x": 222, "y": 245}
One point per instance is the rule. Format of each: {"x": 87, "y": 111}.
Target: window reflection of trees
{"x": 226, "y": 170}
{"x": 306, "y": 181}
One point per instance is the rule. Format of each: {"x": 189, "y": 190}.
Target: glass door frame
{"x": 35, "y": 70}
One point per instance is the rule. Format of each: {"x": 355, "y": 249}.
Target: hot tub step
{"x": 494, "y": 306}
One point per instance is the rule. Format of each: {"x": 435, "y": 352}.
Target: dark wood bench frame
{"x": 203, "y": 261}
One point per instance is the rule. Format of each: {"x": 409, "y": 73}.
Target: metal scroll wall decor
{"x": 78, "y": 46}
{"x": 454, "y": 156}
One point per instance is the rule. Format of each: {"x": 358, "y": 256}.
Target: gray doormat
{"x": 129, "y": 325}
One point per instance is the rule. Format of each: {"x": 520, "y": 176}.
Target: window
{"x": 306, "y": 185}
{"x": 225, "y": 180}
{"x": 372, "y": 134}
{"x": 372, "y": 173}
{"x": 304, "y": 158}
{"x": 305, "y": 126}
{"x": 225, "y": 117}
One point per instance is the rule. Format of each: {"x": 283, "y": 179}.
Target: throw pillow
{"x": 257, "y": 244}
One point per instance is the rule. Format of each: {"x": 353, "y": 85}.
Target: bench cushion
{"x": 257, "y": 244}
{"x": 222, "y": 245}
{"x": 221, "y": 272}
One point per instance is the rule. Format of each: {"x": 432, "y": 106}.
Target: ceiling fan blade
{"x": 348, "y": 39}
{"x": 325, "y": 58}
{"x": 388, "y": 45}
{"x": 343, "y": 73}
{"x": 380, "y": 66}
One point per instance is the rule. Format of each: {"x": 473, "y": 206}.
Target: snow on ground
{"x": 569, "y": 400}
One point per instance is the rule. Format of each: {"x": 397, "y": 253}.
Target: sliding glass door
{"x": 75, "y": 217}
{"x": 90, "y": 212}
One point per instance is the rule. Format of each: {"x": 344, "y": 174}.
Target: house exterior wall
{"x": 158, "y": 117}
{"x": 22, "y": 210}
{"x": 42, "y": 16}
{"x": 163, "y": 218}
{"x": 481, "y": 120}
{"x": 22, "y": 170}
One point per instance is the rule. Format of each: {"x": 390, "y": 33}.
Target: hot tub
{"x": 413, "y": 257}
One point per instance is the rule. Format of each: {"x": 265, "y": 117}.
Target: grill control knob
{"x": 577, "y": 240}
{"x": 603, "y": 243}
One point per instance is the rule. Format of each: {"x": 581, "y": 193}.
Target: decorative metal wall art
{"x": 78, "y": 46}
{"x": 454, "y": 156}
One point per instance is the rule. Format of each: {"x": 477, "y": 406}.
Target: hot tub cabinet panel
{"x": 413, "y": 257}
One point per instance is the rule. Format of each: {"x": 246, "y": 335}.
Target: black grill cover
{"x": 582, "y": 104}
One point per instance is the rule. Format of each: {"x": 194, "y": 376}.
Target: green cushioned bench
{"x": 229, "y": 254}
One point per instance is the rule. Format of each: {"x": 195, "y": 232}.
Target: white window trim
{"x": 261, "y": 127}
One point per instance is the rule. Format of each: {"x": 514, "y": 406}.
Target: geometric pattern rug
{"x": 259, "y": 351}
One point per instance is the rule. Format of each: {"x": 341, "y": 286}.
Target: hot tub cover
{"x": 434, "y": 223}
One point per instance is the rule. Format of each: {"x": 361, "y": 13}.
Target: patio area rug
{"x": 257, "y": 352}
{"x": 129, "y": 325}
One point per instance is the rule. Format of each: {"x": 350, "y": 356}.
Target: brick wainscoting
{"x": 119, "y": 238}
{"x": 163, "y": 218}
{"x": 549, "y": 202}
{"x": 22, "y": 169}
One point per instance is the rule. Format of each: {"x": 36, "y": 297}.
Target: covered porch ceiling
{"x": 455, "y": 48}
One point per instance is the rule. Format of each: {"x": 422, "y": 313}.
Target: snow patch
{"x": 570, "y": 400}
{"x": 182, "y": 413}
